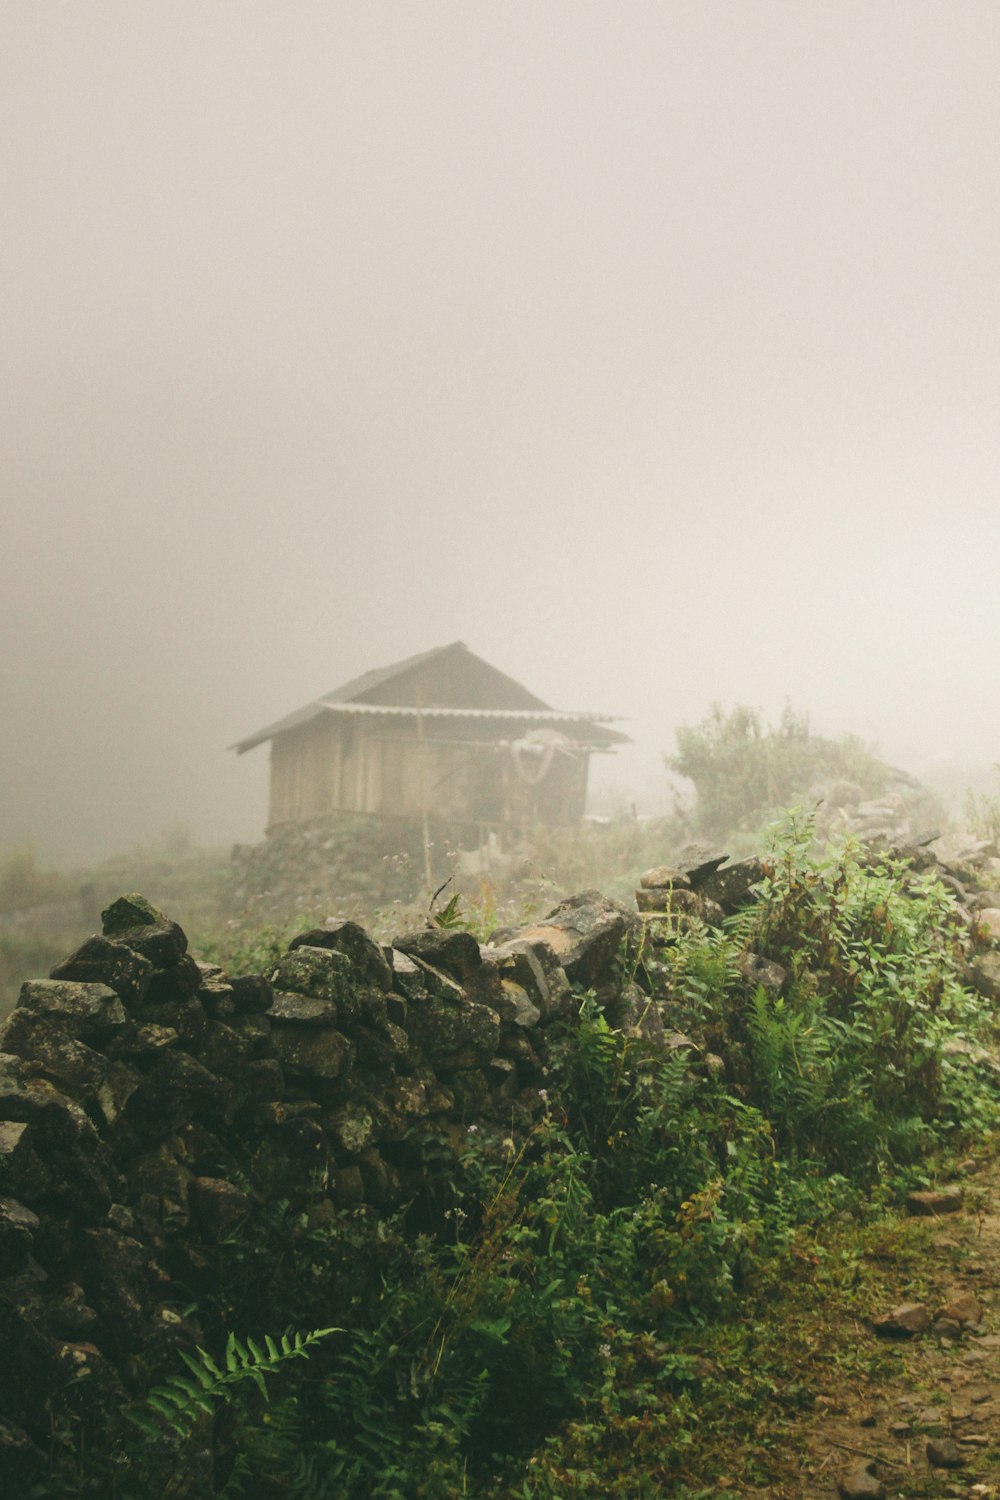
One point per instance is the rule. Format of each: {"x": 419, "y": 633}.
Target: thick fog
{"x": 650, "y": 349}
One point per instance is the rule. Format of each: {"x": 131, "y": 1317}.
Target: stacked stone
{"x": 673, "y": 898}
{"x": 348, "y": 862}
{"x": 149, "y": 1102}
{"x": 903, "y": 813}
{"x": 667, "y": 905}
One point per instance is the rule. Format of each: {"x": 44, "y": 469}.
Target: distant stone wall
{"x": 904, "y": 812}
{"x": 345, "y": 862}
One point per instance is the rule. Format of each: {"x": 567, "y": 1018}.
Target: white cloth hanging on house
{"x": 535, "y": 751}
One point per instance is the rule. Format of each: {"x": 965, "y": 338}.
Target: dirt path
{"x": 918, "y": 1415}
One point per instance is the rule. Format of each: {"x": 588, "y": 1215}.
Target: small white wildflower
{"x": 605, "y": 1351}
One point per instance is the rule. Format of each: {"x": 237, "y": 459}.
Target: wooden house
{"x": 442, "y": 735}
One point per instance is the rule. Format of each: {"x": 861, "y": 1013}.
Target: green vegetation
{"x": 45, "y": 914}
{"x": 582, "y": 1310}
{"x": 745, "y": 771}
{"x": 982, "y": 813}
{"x": 183, "y": 1399}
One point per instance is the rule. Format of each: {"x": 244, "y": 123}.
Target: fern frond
{"x": 181, "y": 1402}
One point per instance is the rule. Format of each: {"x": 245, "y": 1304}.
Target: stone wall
{"x": 343, "y": 862}
{"x": 149, "y": 1103}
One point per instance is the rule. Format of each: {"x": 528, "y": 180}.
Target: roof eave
{"x": 551, "y": 716}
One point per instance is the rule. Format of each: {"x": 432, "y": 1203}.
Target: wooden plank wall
{"x": 346, "y": 765}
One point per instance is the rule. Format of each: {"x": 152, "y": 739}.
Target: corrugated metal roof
{"x": 520, "y": 715}
{"x": 405, "y": 711}
{"x": 343, "y": 700}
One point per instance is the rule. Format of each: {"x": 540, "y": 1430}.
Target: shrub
{"x": 745, "y": 770}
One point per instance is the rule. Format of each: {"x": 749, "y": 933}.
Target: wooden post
{"x": 425, "y": 822}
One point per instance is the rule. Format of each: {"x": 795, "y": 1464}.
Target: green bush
{"x": 744, "y": 771}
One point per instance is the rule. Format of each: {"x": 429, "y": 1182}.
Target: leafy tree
{"x": 745, "y": 770}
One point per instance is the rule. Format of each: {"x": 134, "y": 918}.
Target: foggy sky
{"x": 651, "y": 349}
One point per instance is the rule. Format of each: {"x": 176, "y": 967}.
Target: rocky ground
{"x": 904, "y": 1387}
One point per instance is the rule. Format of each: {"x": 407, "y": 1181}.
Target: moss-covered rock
{"x": 319, "y": 1053}
{"x": 85, "y": 1011}
{"x": 129, "y": 912}
{"x": 303, "y": 1010}
{"x": 454, "y": 1033}
{"x": 101, "y": 961}
{"x": 164, "y": 944}
{"x": 450, "y": 949}
{"x": 349, "y": 938}
{"x": 321, "y": 973}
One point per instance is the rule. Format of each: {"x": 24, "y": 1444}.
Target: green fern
{"x": 183, "y": 1400}
{"x": 790, "y": 1064}
{"x": 601, "y": 1086}
{"x": 275, "y": 1451}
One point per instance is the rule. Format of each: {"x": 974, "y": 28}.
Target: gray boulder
{"x": 317, "y": 1052}
{"x": 366, "y": 957}
{"x": 532, "y": 964}
{"x": 588, "y": 934}
{"x": 87, "y": 1012}
{"x": 451, "y": 949}
{"x": 986, "y": 973}
{"x": 733, "y": 886}
{"x": 101, "y": 961}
